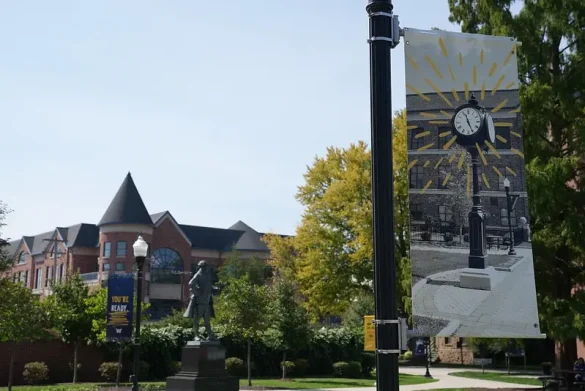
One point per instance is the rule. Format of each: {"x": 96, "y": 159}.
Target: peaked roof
{"x": 127, "y": 206}
{"x": 251, "y": 240}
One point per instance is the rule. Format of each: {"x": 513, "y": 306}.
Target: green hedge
{"x": 161, "y": 346}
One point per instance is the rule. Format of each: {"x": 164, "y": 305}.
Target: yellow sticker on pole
{"x": 369, "y": 334}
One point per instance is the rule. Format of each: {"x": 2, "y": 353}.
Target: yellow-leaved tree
{"x": 331, "y": 255}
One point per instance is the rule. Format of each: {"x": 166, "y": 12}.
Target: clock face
{"x": 491, "y": 129}
{"x": 467, "y": 121}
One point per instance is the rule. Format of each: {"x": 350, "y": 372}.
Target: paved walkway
{"x": 508, "y": 310}
{"x": 444, "y": 381}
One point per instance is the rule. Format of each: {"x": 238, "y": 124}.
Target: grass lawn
{"x": 294, "y": 384}
{"x": 501, "y": 377}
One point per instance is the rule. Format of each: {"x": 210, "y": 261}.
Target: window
{"x": 39, "y": 278}
{"x": 61, "y": 271}
{"x": 107, "y": 249}
{"x": 443, "y": 136}
{"x": 120, "y": 267}
{"x": 166, "y": 266}
{"x": 26, "y": 278}
{"x": 447, "y": 341}
{"x": 121, "y": 249}
{"x": 416, "y": 143}
{"x": 442, "y": 172}
{"x": 106, "y": 267}
{"x": 502, "y": 132}
{"x": 416, "y": 211}
{"x": 416, "y": 177}
{"x": 22, "y": 258}
{"x": 47, "y": 276}
{"x": 20, "y": 277}
{"x": 504, "y": 217}
{"x": 494, "y": 201}
{"x": 445, "y": 214}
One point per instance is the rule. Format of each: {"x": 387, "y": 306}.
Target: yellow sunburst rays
{"x": 429, "y": 183}
{"x": 439, "y": 163}
{"x": 468, "y": 181}
{"x": 449, "y": 143}
{"x": 514, "y": 111}
{"x": 446, "y": 114}
{"x": 412, "y": 163}
{"x": 517, "y": 152}
{"x": 497, "y": 171}
{"x": 427, "y": 163}
{"x": 461, "y": 159}
{"x": 422, "y": 134}
{"x": 416, "y": 91}
{"x": 438, "y": 92}
{"x": 508, "y": 169}
{"x": 517, "y": 134}
{"x": 487, "y": 184}
{"x": 446, "y": 180}
{"x": 481, "y": 154}
{"x": 493, "y": 149}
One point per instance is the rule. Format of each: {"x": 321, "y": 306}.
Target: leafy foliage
{"x": 35, "y": 372}
{"x": 257, "y": 271}
{"x": 362, "y": 305}
{"x": 5, "y": 258}
{"x": 331, "y": 255}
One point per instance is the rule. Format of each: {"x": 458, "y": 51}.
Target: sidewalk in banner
{"x": 445, "y": 381}
{"x": 508, "y": 309}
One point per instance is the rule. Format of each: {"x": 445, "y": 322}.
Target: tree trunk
{"x": 75, "y": 349}
{"x": 249, "y": 359}
{"x": 11, "y": 370}
{"x": 284, "y": 365}
{"x": 120, "y": 356}
{"x": 565, "y": 353}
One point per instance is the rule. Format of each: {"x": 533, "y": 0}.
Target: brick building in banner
{"x": 435, "y": 157}
{"x": 96, "y": 250}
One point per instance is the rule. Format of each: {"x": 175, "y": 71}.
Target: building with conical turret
{"x": 97, "y": 250}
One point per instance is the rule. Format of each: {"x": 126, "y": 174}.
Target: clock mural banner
{"x": 471, "y": 253}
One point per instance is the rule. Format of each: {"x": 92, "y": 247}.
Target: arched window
{"x": 166, "y": 266}
{"x": 22, "y": 258}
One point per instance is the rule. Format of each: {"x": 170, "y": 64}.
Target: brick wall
{"x": 57, "y": 356}
{"x": 449, "y": 353}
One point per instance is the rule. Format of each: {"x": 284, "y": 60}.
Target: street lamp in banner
{"x": 140, "y": 251}
{"x": 473, "y": 126}
{"x": 511, "y": 203}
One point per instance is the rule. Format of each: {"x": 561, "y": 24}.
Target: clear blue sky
{"x": 216, "y": 107}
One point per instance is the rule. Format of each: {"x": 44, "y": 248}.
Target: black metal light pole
{"x": 428, "y": 358}
{"x": 381, "y": 42}
{"x": 510, "y": 201}
{"x": 140, "y": 251}
{"x": 477, "y": 233}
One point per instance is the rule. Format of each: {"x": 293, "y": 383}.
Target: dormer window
{"x": 22, "y": 258}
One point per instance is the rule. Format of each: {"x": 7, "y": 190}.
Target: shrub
{"x": 340, "y": 369}
{"x": 426, "y": 236}
{"x": 352, "y": 369}
{"x": 368, "y": 363}
{"x": 108, "y": 370}
{"x": 35, "y": 372}
{"x": 466, "y": 238}
{"x": 235, "y": 366}
{"x": 290, "y": 367}
{"x": 407, "y": 355}
{"x": 144, "y": 369}
{"x": 174, "y": 367}
{"x": 448, "y": 237}
{"x": 301, "y": 366}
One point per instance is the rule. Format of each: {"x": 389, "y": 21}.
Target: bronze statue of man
{"x": 201, "y": 303}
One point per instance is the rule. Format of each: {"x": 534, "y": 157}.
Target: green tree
{"x": 552, "y": 94}
{"x": 74, "y": 322}
{"x": 289, "y": 319}
{"x": 6, "y": 259}
{"x": 361, "y": 305}
{"x": 235, "y": 267}
{"x": 23, "y": 318}
{"x": 333, "y": 248}
{"x": 242, "y": 311}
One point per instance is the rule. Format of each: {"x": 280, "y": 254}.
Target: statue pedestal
{"x": 202, "y": 369}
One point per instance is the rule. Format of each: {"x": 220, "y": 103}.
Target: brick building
{"x": 432, "y": 156}
{"x": 96, "y": 250}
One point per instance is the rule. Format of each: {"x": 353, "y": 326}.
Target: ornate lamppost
{"x": 427, "y": 344}
{"x": 140, "y": 251}
{"x": 473, "y": 126}
{"x": 511, "y": 203}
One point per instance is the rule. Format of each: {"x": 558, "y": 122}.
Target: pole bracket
{"x": 402, "y": 332}
{"x": 395, "y": 31}
{"x": 388, "y": 351}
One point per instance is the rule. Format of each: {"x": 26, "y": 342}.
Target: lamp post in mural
{"x": 511, "y": 203}
{"x": 140, "y": 251}
{"x": 473, "y": 126}
{"x": 427, "y": 343}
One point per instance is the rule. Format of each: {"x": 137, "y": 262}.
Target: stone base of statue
{"x": 202, "y": 369}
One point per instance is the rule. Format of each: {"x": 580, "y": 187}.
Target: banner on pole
{"x": 472, "y": 264}
{"x": 120, "y": 307}
{"x": 369, "y": 334}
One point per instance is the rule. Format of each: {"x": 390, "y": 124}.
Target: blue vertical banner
{"x": 120, "y": 307}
